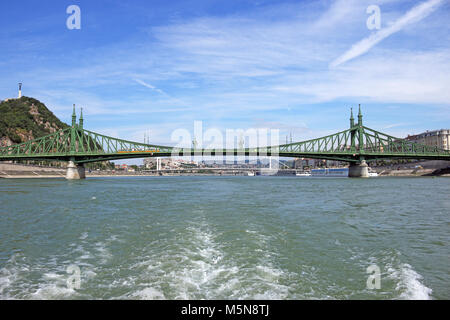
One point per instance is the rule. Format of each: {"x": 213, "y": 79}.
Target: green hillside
{"x": 25, "y": 119}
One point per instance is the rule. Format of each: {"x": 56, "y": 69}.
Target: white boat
{"x": 336, "y": 172}
{"x": 372, "y": 173}
{"x": 330, "y": 172}
{"x": 250, "y": 174}
{"x": 303, "y": 174}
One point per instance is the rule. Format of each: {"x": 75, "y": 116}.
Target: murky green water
{"x": 225, "y": 238}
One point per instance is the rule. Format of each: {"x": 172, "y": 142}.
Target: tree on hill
{"x": 25, "y": 119}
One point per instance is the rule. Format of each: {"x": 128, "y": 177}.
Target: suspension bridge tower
{"x": 359, "y": 169}
{"x": 75, "y": 170}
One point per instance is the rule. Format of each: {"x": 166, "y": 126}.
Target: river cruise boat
{"x": 303, "y": 174}
{"x": 336, "y": 172}
{"x": 330, "y": 172}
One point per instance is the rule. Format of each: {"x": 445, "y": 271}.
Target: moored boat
{"x": 303, "y": 174}
{"x": 330, "y": 172}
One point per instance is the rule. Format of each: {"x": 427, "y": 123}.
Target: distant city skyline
{"x": 149, "y": 67}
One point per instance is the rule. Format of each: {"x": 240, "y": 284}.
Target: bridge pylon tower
{"x": 358, "y": 169}
{"x": 75, "y": 171}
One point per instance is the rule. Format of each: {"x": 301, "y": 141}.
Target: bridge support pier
{"x": 358, "y": 170}
{"x": 75, "y": 171}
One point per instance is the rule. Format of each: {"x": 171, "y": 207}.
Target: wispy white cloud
{"x": 339, "y": 13}
{"x": 150, "y": 86}
{"x": 394, "y": 125}
{"x": 390, "y": 76}
{"x": 416, "y": 14}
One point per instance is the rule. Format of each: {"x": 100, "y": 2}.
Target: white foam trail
{"x": 11, "y": 275}
{"x": 198, "y": 267}
{"x": 149, "y": 294}
{"x": 16, "y": 281}
{"x": 203, "y": 266}
{"x": 409, "y": 283}
{"x": 103, "y": 252}
{"x": 55, "y": 287}
{"x": 15, "y": 284}
{"x": 7, "y": 279}
{"x": 83, "y": 236}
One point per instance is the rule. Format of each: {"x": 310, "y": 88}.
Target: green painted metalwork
{"x": 352, "y": 120}
{"x": 81, "y": 119}
{"x": 352, "y": 145}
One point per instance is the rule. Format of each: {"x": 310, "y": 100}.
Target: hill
{"x": 26, "y": 119}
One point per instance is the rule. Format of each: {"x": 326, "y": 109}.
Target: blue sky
{"x": 298, "y": 66}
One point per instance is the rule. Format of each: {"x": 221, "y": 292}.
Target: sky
{"x": 150, "y": 68}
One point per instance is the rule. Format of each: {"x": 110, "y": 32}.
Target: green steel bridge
{"x": 356, "y": 145}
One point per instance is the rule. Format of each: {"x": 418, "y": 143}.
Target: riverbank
{"x": 35, "y": 175}
{"x": 416, "y": 169}
{"x": 10, "y": 170}
{"x": 49, "y": 174}
{"x": 413, "y": 173}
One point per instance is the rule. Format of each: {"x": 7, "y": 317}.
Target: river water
{"x": 218, "y": 237}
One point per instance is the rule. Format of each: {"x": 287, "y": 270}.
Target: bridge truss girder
{"x": 352, "y": 145}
